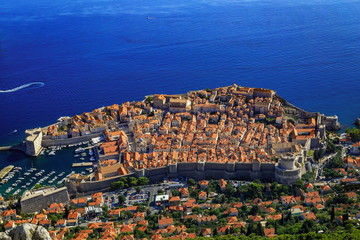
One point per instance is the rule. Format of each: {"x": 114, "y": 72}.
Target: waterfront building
{"x": 33, "y": 141}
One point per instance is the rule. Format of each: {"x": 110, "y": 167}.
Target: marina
{"x": 25, "y": 175}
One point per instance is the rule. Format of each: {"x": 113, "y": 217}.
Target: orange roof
{"x": 166, "y": 221}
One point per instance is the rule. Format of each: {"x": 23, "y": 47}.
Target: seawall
{"x": 67, "y": 141}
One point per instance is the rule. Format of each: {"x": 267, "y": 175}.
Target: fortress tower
{"x": 33, "y": 141}
{"x": 288, "y": 170}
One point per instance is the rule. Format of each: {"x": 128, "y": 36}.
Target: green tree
{"x": 354, "y": 133}
{"x": 299, "y": 184}
{"x": 254, "y": 210}
{"x": 191, "y": 182}
{"x": 332, "y": 218}
{"x": 259, "y": 230}
{"x": 143, "y": 181}
{"x": 133, "y": 181}
{"x": 105, "y": 211}
{"x": 215, "y": 232}
{"x": 122, "y": 199}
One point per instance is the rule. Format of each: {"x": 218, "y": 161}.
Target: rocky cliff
{"x": 26, "y": 231}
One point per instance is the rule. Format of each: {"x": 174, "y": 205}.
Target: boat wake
{"x": 36, "y": 84}
{"x": 15, "y": 131}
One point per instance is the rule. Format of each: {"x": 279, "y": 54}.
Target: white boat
{"x": 52, "y": 153}
{"x": 79, "y": 150}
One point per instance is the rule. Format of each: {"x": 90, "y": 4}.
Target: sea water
{"x": 93, "y": 53}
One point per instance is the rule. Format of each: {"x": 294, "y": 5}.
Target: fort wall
{"x": 211, "y": 170}
{"x": 67, "y": 141}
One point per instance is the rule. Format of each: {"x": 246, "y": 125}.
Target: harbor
{"x": 51, "y": 167}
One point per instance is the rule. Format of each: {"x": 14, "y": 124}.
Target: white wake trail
{"x": 41, "y": 84}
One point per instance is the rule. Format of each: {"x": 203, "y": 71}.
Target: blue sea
{"x": 82, "y": 55}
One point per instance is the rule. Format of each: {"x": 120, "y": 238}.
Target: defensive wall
{"x": 330, "y": 122}
{"x": 300, "y": 112}
{"x": 67, "y": 141}
{"x": 198, "y": 171}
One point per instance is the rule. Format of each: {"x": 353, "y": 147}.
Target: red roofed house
{"x": 73, "y": 219}
{"x": 174, "y": 201}
{"x": 9, "y": 225}
{"x": 308, "y": 216}
{"x": 287, "y": 200}
{"x": 223, "y": 184}
{"x": 325, "y": 189}
{"x": 269, "y": 232}
{"x": 351, "y": 195}
{"x": 8, "y": 215}
{"x": 202, "y": 195}
{"x": 203, "y": 184}
{"x": 165, "y": 222}
{"x": 61, "y": 223}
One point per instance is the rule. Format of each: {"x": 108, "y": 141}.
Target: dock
{"x": 5, "y": 171}
{"x": 82, "y": 164}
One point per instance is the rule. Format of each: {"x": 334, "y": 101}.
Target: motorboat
{"x": 79, "y": 150}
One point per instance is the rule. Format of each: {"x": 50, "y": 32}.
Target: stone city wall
{"x": 190, "y": 170}
{"x": 60, "y": 142}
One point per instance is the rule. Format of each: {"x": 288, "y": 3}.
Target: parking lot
{"x": 136, "y": 198}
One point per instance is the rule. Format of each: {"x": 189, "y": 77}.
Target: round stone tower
{"x": 288, "y": 170}
{"x": 287, "y": 162}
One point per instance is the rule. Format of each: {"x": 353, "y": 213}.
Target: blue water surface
{"x": 94, "y": 53}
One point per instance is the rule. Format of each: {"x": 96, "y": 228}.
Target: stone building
{"x": 36, "y": 199}
{"x": 179, "y": 105}
{"x": 288, "y": 170}
{"x": 33, "y": 141}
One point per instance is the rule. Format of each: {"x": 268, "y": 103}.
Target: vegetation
{"x": 318, "y": 154}
{"x": 354, "y": 133}
{"x": 149, "y": 99}
{"x": 126, "y": 182}
{"x": 308, "y": 177}
{"x": 335, "y": 162}
{"x": 37, "y": 186}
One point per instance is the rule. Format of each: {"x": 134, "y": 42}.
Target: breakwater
{"x": 5, "y": 171}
